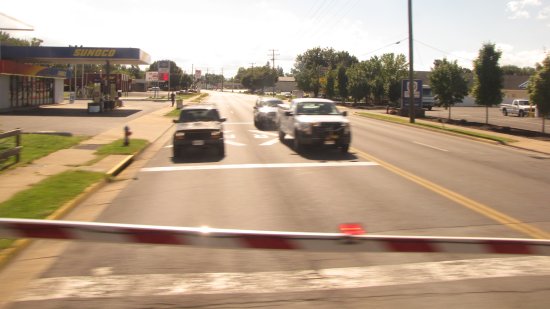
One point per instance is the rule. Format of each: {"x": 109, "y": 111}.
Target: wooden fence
{"x": 6, "y": 153}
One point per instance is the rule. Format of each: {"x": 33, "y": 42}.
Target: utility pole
{"x": 193, "y": 75}
{"x": 223, "y": 78}
{"x": 412, "y": 108}
{"x": 273, "y": 65}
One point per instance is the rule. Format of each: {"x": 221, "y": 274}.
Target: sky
{"x": 218, "y": 36}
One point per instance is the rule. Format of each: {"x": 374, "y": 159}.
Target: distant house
{"x": 286, "y": 84}
{"x": 514, "y": 87}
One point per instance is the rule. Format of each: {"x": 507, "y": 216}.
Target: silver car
{"x": 265, "y": 112}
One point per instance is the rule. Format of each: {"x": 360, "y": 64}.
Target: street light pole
{"x": 411, "y": 67}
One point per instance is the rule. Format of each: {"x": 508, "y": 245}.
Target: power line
{"x": 441, "y": 51}
{"x": 385, "y": 46}
{"x": 331, "y": 23}
{"x": 30, "y": 28}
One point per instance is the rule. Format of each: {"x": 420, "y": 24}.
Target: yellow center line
{"x": 462, "y": 200}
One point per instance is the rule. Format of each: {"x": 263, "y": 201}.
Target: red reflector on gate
{"x": 352, "y": 228}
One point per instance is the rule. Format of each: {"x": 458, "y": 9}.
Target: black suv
{"x": 198, "y": 126}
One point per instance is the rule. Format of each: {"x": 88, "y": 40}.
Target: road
{"x": 75, "y": 119}
{"x": 395, "y": 181}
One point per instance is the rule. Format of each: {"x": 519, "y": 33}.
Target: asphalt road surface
{"x": 75, "y": 119}
{"x": 396, "y": 180}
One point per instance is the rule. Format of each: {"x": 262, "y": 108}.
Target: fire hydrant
{"x": 127, "y": 134}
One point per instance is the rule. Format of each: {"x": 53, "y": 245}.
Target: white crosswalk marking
{"x": 109, "y": 285}
{"x": 271, "y": 142}
{"x": 254, "y": 166}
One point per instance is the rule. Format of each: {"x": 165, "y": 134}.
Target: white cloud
{"x": 518, "y": 9}
{"x": 544, "y": 13}
{"x": 520, "y": 58}
{"x": 510, "y": 56}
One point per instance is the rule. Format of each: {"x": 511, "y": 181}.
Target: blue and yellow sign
{"x": 75, "y": 55}
{"x": 94, "y": 52}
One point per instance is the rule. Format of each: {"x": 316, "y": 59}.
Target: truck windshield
{"x": 193, "y": 115}
{"x": 272, "y": 103}
{"x": 316, "y": 108}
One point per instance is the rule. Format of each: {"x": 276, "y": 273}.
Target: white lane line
{"x": 231, "y": 123}
{"x": 234, "y": 143}
{"x": 252, "y": 166}
{"x": 282, "y": 281}
{"x": 430, "y": 146}
{"x": 271, "y": 142}
{"x": 263, "y": 133}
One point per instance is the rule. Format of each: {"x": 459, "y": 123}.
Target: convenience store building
{"x": 26, "y": 81}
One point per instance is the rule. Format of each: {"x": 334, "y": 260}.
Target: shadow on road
{"x": 198, "y": 156}
{"x": 71, "y": 112}
{"x": 319, "y": 153}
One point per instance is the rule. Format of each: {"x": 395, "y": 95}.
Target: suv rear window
{"x": 194, "y": 115}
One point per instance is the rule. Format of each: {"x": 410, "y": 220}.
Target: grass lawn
{"x": 440, "y": 127}
{"x": 186, "y": 96}
{"x": 36, "y": 146}
{"x": 43, "y": 198}
{"x": 201, "y": 97}
{"x": 175, "y": 113}
{"x": 117, "y": 147}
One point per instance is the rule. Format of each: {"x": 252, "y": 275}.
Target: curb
{"x": 8, "y": 254}
{"x": 123, "y": 164}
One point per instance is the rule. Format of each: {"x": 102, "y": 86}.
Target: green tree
{"x": 358, "y": 86}
{"x": 342, "y": 83}
{"x": 448, "y": 83}
{"x": 375, "y": 77}
{"x": 394, "y": 68}
{"x": 213, "y": 79}
{"x": 257, "y": 78}
{"x": 313, "y": 65}
{"x": 539, "y": 89}
{"x": 330, "y": 85}
{"x": 488, "y": 80}
{"x": 6, "y": 39}
{"x": 135, "y": 72}
{"x": 186, "y": 81}
{"x": 515, "y": 70}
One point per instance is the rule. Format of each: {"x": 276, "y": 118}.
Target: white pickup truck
{"x": 518, "y": 107}
{"x": 312, "y": 121}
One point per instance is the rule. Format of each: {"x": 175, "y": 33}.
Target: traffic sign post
{"x": 417, "y": 93}
{"x": 416, "y": 109}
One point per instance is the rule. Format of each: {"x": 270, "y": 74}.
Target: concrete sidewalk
{"x": 149, "y": 127}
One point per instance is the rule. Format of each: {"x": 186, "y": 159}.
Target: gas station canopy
{"x": 75, "y": 55}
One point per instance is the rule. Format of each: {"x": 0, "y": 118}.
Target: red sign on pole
{"x": 163, "y": 76}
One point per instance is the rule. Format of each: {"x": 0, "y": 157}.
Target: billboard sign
{"x": 416, "y": 89}
{"x": 151, "y": 76}
{"x": 164, "y": 76}
{"x": 164, "y": 66}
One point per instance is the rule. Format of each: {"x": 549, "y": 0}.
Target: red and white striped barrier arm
{"x": 250, "y": 239}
